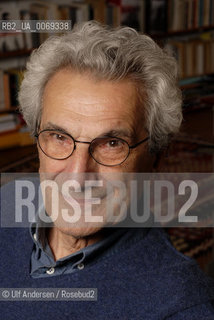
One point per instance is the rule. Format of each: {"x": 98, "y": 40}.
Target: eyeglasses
{"x": 107, "y": 151}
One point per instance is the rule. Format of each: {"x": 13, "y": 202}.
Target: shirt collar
{"x": 38, "y": 235}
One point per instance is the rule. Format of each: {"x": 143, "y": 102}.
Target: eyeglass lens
{"x": 107, "y": 150}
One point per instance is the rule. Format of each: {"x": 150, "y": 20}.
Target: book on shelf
{"x": 97, "y": 10}
{"x": 13, "y": 131}
{"x": 10, "y": 41}
{"x": 190, "y": 14}
{"x": 112, "y": 14}
{"x": 8, "y": 123}
{"x": 126, "y": 12}
{"x": 76, "y": 12}
{"x": 6, "y": 92}
{"x": 15, "y": 138}
{"x": 10, "y": 81}
{"x": 130, "y": 16}
{"x": 26, "y": 10}
{"x": 194, "y": 55}
{"x": 27, "y": 36}
{"x": 2, "y": 95}
{"x": 176, "y": 48}
{"x": 198, "y": 94}
{"x": 38, "y": 11}
{"x": 156, "y": 16}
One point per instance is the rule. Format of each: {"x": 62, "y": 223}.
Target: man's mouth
{"x": 82, "y": 199}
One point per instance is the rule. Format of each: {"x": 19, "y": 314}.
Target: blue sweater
{"x": 142, "y": 277}
{"x": 145, "y": 278}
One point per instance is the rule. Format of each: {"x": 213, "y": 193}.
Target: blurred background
{"x": 185, "y": 28}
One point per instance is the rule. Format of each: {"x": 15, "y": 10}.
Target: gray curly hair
{"x": 111, "y": 54}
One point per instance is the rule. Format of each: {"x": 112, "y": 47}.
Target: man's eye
{"x": 114, "y": 143}
{"x": 58, "y": 137}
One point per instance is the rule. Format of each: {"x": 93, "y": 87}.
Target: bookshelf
{"x": 183, "y": 27}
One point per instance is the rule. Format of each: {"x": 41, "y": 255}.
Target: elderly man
{"x": 100, "y": 101}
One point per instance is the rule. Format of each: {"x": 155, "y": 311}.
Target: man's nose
{"x": 80, "y": 160}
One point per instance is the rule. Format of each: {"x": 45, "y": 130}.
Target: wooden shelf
{"x": 14, "y": 54}
{"x": 11, "y": 110}
{"x": 169, "y": 34}
{"x": 195, "y": 79}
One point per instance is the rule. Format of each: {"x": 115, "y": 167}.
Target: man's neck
{"x": 63, "y": 244}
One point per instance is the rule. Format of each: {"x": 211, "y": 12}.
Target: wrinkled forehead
{"x": 73, "y": 97}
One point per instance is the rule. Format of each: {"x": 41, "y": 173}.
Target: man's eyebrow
{"x": 53, "y": 126}
{"x": 118, "y": 133}
{"x": 111, "y": 133}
